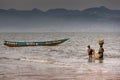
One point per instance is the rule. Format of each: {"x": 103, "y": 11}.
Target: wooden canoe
{"x": 43, "y": 43}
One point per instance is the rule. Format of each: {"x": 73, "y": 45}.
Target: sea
{"x": 66, "y": 61}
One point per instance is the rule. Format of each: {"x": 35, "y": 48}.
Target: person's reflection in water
{"x": 98, "y": 61}
{"x": 101, "y": 61}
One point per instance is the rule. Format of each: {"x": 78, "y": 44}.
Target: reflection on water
{"x": 68, "y": 61}
{"x": 98, "y": 61}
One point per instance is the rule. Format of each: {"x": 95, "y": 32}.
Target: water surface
{"x": 67, "y": 61}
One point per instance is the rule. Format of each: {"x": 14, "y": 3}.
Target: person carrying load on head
{"x": 101, "y": 49}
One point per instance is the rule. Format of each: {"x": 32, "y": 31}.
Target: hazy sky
{"x": 48, "y": 4}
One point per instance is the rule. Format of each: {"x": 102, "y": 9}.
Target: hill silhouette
{"x": 59, "y": 17}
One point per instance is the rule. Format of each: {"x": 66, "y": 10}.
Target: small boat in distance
{"x": 43, "y": 43}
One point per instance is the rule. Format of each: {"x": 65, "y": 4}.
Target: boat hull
{"x": 45, "y": 43}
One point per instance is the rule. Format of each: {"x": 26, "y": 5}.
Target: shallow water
{"x": 67, "y": 61}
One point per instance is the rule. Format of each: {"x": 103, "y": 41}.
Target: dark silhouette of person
{"x": 90, "y": 51}
{"x": 101, "y": 51}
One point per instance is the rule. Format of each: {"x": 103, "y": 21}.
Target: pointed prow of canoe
{"x": 43, "y": 43}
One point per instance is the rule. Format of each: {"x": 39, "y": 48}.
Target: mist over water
{"x": 68, "y": 60}
{"x": 59, "y": 26}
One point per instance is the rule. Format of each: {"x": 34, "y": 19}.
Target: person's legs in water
{"x": 90, "y": 58}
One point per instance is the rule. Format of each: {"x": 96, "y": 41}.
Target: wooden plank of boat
{"x": 43, "y": 43}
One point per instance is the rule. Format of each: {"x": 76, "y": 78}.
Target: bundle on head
{"x": 101, "y": 42}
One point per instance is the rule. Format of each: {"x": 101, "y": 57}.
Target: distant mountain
{"x": 97, "y": 10}
{"x": 103, "y": 12}
{"x": 93, "y": 17}
{"x": 90, "y": 13}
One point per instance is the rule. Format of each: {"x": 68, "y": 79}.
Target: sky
{"x": 51, "y": 4}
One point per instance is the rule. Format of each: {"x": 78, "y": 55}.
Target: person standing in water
{"x": 90, "y": 51}
{"x": 101, "y": 51}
